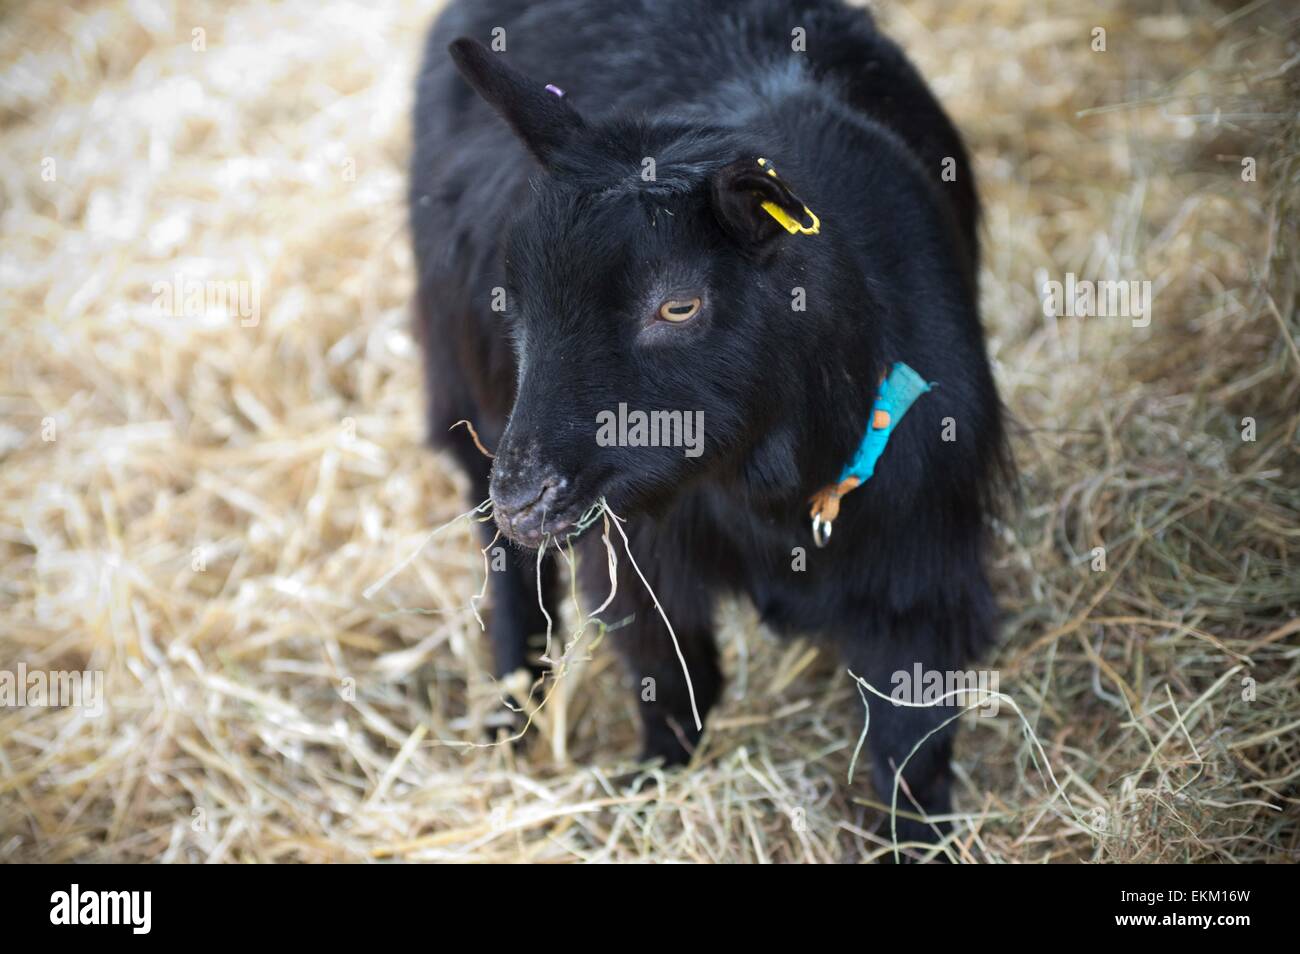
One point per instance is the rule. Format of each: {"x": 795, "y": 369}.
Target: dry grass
{"x": 261, "y": 709}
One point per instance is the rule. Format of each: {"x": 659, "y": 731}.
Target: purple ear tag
{"x": 554, "y": 89}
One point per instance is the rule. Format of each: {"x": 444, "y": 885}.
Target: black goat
{"x": 749, "y": 210}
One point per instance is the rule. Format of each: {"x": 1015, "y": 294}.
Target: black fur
{"x": 551, "y": 205}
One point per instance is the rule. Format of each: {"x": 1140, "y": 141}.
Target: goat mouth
{"x": 553, "y": 530}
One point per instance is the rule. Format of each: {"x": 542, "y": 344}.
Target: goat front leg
{"x": 886, "y": 654}
{"x": 668, "y": 729}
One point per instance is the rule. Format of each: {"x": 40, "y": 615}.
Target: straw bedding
{"x": 194, "y": 495}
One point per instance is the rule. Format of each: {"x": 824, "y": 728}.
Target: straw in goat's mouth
{"x": 598, "y": 511}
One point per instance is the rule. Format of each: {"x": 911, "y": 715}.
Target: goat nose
{"x": 522, "y": 508}
{"x": 522, "y": 497}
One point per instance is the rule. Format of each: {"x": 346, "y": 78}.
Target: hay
{"x": 227, "y": 476}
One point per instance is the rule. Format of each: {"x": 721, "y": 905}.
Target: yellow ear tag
{"x": 783, "y": 217}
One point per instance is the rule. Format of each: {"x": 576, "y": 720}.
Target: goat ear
{"x": 539, "y": 117}
{"x": 741, "y": 189}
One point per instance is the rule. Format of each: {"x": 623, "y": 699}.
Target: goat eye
{"x": 679, "y": 309}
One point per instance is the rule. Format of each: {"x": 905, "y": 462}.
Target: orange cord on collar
{"x": 826, "y": 502}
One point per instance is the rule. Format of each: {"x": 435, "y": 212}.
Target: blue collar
{"x": 898, "y": 392}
